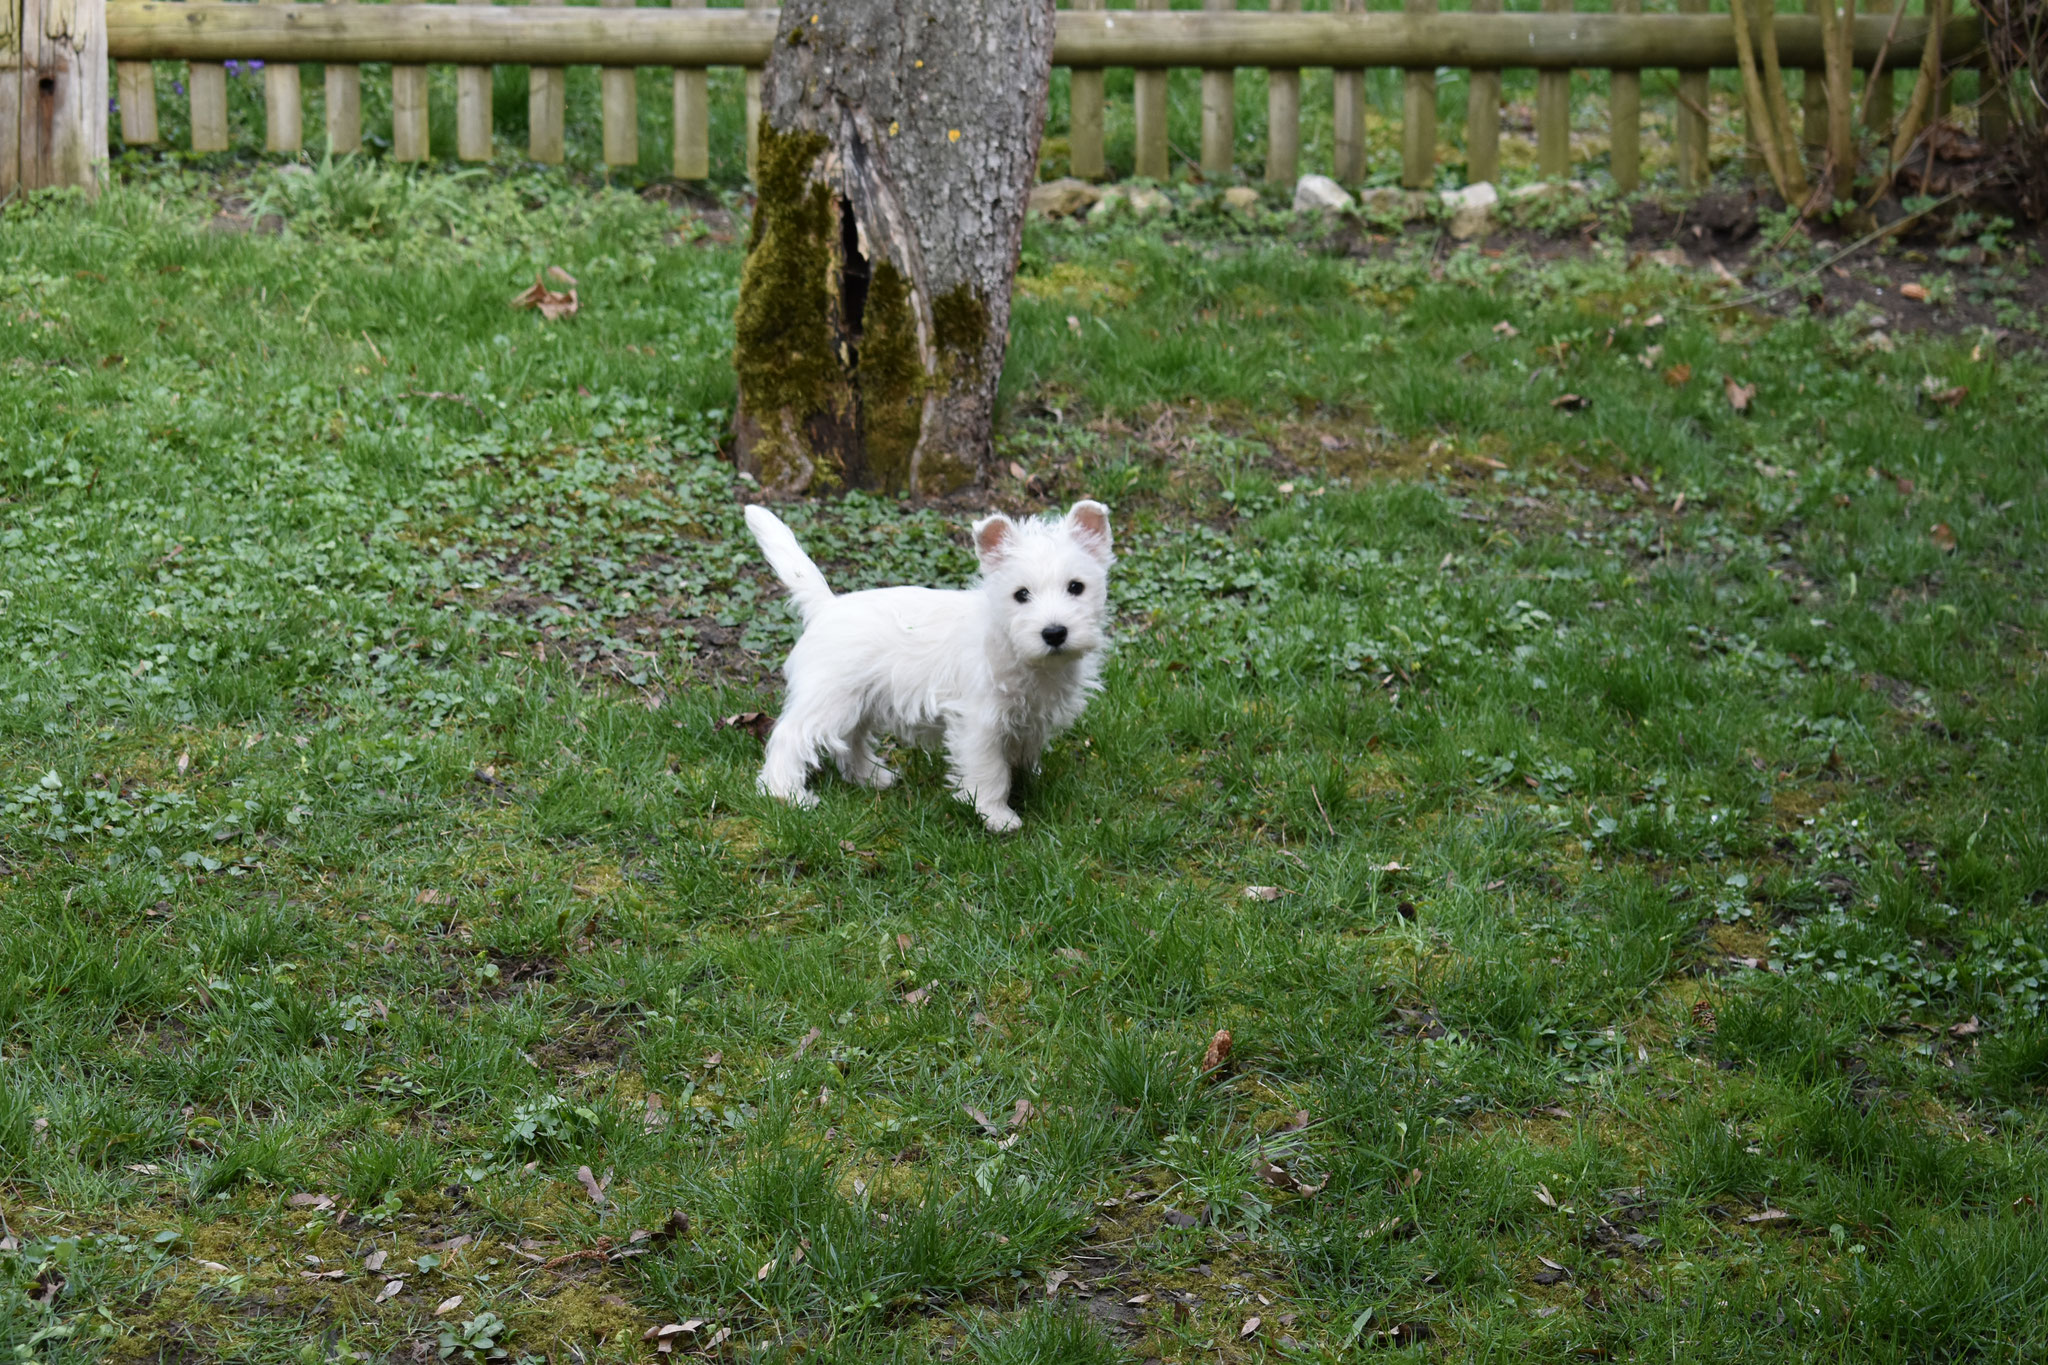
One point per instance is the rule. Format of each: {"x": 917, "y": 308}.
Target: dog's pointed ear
{"x": 992, "y": 538}
{"x": 1088, "y": 523}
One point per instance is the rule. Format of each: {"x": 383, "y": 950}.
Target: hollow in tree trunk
{"x": 898, "y": 143}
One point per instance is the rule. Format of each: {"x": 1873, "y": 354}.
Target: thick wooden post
{"x": 754, "y": 107}
{"x": 207, "y": 91}
{"x": 1347, "y": 100}
{"x": 1283, "y": 114}
{"x": 137, "y": 82}
{"x": 621, "y": 108}
{"x": 1418, "y": 116}
{"x": 692, "y": 131}
{"x": 344, "y": 105}
{"x": 53, "y": 95}
{"x": 473, "y": 107}
{"x": 1625, "y": 118}
{"x": 1554, "y": 113}
{"x": 1692, "y": 116}
{"x": 1219, "y": 109}
{"x": 547, "y": 98}
{"x": 1482, "y": 116}
{"x": 283, "y": 113}
{"x": 409, "y": 113}
{"x": 1149, "y": 98}
{"x": 1084, "y": 116}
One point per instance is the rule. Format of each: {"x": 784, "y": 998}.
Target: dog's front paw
{"x": 878, "y": 778}
{"x": 1002, "y": 820}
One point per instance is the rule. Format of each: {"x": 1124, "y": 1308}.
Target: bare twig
{"x": 1865, "y": 240}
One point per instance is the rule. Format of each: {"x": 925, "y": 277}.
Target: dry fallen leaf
{"x": 311, "y": 1201}
{"x": 391, "y": 1290}
{"x": 433, "y": 897}
{"x": 1489, "y": 461}
{"x": 756, "y": 723}
{"x": 1768, "y": 1216}
{"x": 1739, "y": 395}
{"x": 323, "y": 1274}
{"x": 448, "y": 1305}
{"x": 1950, "y": 397}
{"x": 1054, "y": 1280}
{"x": 1678, "y": 376}
{"x": 592, "y": 1186}
{"x": 1915, "y": 292}
{"x": 1571, "y": 402}
{"x": 986, "y": 1123}
{"x": 215, "y": 1266}
{"x": 1506, "y": 330}
{"x": 1218, "y": 1053}
{"x": 1544, "y": 1197}
{"x": 813, "y": 1036}
{"x": 767, "y": 1269}
{"x": 1263, "y": 893}
{"x": 1250, "y": 1329}
{"x": 1970, "y": 1027}
{"x": 1020, "y": 1112}
{"x": 1074, "y": 955}
{"x": 375, "y": 1260}
{"x": 1944, "y": 539}
{"x": 551, "y": 303}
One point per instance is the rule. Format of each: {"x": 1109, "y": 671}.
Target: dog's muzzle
{"x": 1054, "y": 636}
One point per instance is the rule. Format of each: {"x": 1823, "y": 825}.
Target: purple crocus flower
{"x": 234, "y": 67}
{"x": 178, "y": 86}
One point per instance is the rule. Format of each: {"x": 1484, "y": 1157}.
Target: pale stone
{"x": 1319, "y": 193}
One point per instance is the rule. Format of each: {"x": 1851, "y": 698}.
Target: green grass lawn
{"x": 1647, "y": 800}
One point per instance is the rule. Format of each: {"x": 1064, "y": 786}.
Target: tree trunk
{"x": 898, "y": 142}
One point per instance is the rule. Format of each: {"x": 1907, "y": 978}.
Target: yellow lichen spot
{"x": 952, "y": 135}
{"x": 919, "y": 64}
{"x": 814, "y": 18}
{"x": 894, "y": 127}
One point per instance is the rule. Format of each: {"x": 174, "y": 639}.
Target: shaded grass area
{"x": 1648, "y": 795}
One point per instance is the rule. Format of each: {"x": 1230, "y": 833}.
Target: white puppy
{"x": 994, "y": 671}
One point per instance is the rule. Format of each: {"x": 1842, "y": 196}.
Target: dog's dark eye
{"x": 1021, "y": 596}
{"x": 1075, "y": 587}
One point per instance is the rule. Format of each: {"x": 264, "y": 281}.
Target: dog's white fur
{"x": 993, "y": 677}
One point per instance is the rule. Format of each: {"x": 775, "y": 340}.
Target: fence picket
{"x": 1149, "y": 99}
{"x": 621, "y": 108}
{"x": 409, "y": 113}
{"x": 1418, "y": 116}
{"x": 692, "y": 130}
{"x": 1692, "y": 116}
{"x": 1813, "y": 99}
{"x": 1084, "y": 116}
{"x": 1625, "y": 118}
{"x": 208, "y": 82}
{"x": 282, "y": 112}
{"x": 1554, "y": 113}
{"x": 473, "y": 107}
{"x": 754, "y": 105}
{"x": 1347, "y": 101}
{"x": 1283, "y": 114}
{"x": 136, "y": 82}
{"x": 1877, "y": 100}
{"x": 344, "y": 105}
{"x": 1219, "y": 108}
{"x": 1482, "y": 116}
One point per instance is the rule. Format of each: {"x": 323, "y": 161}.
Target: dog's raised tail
{"x": 807, "y": 586}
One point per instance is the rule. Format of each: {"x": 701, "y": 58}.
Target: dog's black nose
{"x": 1054, "y": 636}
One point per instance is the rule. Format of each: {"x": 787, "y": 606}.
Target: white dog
{"x": 995, "y": 671}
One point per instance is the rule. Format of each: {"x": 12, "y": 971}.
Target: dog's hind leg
{"x": 858, "y": 764}
{"x": 792, "y": 753}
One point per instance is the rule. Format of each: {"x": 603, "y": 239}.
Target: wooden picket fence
{"x": 688, "y": 38}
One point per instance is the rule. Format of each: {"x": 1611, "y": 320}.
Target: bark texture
{"x": 53, "y": 94}
{"x": 898, "y": 143}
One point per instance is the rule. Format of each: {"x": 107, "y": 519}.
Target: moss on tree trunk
{"x": 896, "y": 156}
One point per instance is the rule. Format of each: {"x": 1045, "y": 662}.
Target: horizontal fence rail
{"x": 617, "y": 36}
{"x": 560, "y": 36}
